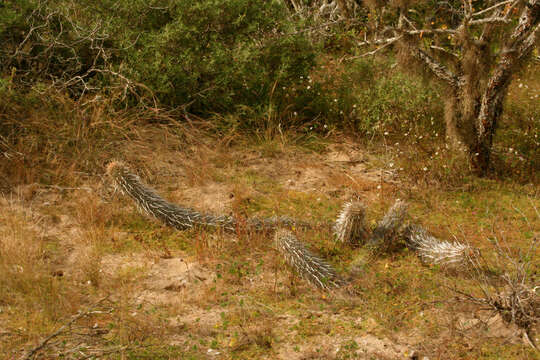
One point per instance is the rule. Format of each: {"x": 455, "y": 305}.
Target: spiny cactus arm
{"x": 271, "y": 223}
{"x": 310, "y": 267}
{"x": 350, "y": 225}
{"x": 386, "y": 232}
{"x": 149, "y": 202}
{"x": 437, "y": 252}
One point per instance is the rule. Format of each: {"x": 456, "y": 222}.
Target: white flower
{"x": 520, "y": 86}
{"x": 335, "y": 100}
{"x": 425, "y": 169}
{"x": 386, "y": 133}
{"x": 391, "y": 164}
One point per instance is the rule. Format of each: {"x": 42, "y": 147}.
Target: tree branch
{"x": 407, "y": 32}
{"x": 519, "y": 46}
{"x": 491, "y": 20}
{"x": 387, "y": 43}
{"x": 492, "y": 7}
{"x": 438, "y": 69}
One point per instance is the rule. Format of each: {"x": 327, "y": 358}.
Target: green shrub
{"x": 57, "y": 42}
{"x": 209, "y": 55}
{"x": 217, "y": 55}
{"x": 363, "y": 96}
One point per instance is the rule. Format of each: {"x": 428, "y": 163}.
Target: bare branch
{"x": 431, "y": 31}
{"x": 496, "y": 6}
{"x": 441, "y": 49}
{"x": 387, "y": 42}
{"x": 491, "y": 20}
{"x": 407, "y": 32}
{"x": 30, "y": 353}
{"x": 438, "y": 69}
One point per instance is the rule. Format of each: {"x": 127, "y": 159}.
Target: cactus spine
{"x": 436, "y": 252}
{"x": 149, "y": 202}
{"x": 350, "y": 225}
{"x": 310, "y": 267}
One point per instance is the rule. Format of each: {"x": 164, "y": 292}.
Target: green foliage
{"x": 51, "y": 41}
{"x": 209, "y": 56}
{"x": 218, "y": 55}
{"x": 362, "y": 96}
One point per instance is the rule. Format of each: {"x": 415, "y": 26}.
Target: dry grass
{"x": 194, "y": 294}
{"x": 239, "y": 301}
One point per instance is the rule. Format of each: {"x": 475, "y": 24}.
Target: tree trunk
{"x": 518, "y": 48}
{"x": 489, "y": 117}
{"x": 451, "y": 120}
{"x": 459, "y": 122}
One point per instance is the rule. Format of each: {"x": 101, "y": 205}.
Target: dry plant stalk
{"x": 513, "y": 295}
{"x": 350, "y": 226}
{"x": 271, "y": 223}
{"x": 309, "y": 266}
{"x": 437, "y": 252}
{"x": 31, "y": 353}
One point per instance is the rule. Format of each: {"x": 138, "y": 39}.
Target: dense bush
{"x": 211, "y": 55}
{"x": 363, "y": 96}
{"x": 53, "y": 44}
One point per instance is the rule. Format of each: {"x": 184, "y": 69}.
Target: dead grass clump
{"x": 53, "y": 139}
{"x": 33, "y": 295}
{"x": 513, "y": 295}
{"x": 260, "y": 335}
{"x": 48, "y": 137}
{"x": 26, "y": 276}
